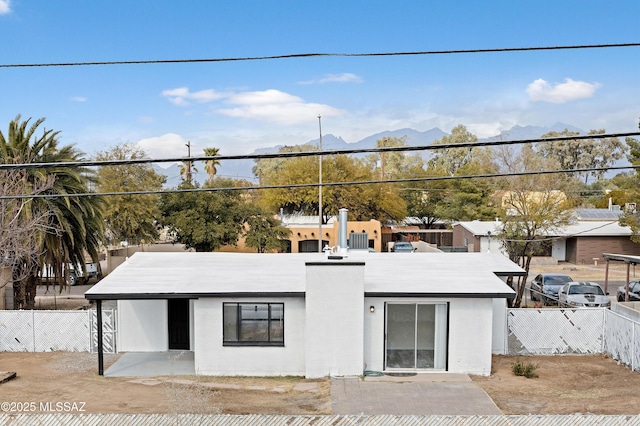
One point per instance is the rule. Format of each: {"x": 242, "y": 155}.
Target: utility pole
{"x": 320, "y": 189}
{"x": 188, "y": 172}
{"x": 383, "y": 142}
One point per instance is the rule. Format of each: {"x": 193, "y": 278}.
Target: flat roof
{"x": 193, "y": 275}
{"x": 596, "y": 228}
{"x": 482, "y": 227}
{"x": 633, "y": 260}
{"x": 590, "y": 228}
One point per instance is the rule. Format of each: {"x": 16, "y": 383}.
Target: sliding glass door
{"x": 416, "y": 336}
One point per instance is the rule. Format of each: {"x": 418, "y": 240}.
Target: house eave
{"x": 442, "y": 295}
{"x": 150, "y": 296}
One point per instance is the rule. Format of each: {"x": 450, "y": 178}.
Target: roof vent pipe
{"x": 342, "y": 230}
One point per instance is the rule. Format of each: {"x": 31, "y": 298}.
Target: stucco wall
{"x": 334, "y": 321}
{"x": 499, "y": 327}
{"x": 470, "y": 329}
{"x": 214, "y": 359}
{"x": 470, "y": 333}
{"x": 142, "y": 326}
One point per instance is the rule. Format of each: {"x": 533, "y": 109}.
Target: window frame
{"x": 238, "y": 324}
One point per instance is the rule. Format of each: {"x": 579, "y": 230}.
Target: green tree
{"x": 264, "y": 233}
{"x": 467, "y": 199}
{"x": 131, "y": 218}
{"x": 393, "y": 165}
{"x": 451, "y": 159}
{"x": 211, "y": 166}
{"x": 75, "y": 225}
{"x": 204, "y": 221}
{"x": 582, "y": 153}
{"x": 365, "y": 202}
{"x": 629, "y": 192}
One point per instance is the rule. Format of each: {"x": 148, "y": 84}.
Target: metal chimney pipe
{"x": 342, "y": 230}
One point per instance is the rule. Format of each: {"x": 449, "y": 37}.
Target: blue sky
{"x": 243, "y": 105}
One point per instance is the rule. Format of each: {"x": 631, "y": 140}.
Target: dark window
{"x": 253, "y": 324}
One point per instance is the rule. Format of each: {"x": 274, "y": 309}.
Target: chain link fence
{"x": 574, "y": 331}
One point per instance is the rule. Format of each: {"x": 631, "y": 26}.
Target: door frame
{"x": 179, "y": 322}
{"x": 437, "y": 346}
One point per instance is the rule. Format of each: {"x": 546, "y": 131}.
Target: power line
{"x": 324, "y": 184}
{"x": 557, "y": 238}
{"x": 281, "y": 155}
{"x": 322, "y": 55}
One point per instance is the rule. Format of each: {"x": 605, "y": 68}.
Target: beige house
{"x": 305, "y": 231}
{"x": 513, "y": 201}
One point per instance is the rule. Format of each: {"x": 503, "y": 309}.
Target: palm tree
{"x": 75, "y": 225}
{"x": 210, "y": 165}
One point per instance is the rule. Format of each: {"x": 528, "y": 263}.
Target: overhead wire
{"x": 321, "y": 55}
{"x": 557, "y": 238}
{"x": 316, "y": 184}
{"x": 469, "y": 145}
{"x": 432, "y": 147}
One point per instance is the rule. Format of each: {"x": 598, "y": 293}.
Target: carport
{"x": 629, "y": 260}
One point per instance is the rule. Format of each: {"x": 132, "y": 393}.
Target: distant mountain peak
{"x": 242, "y": 169}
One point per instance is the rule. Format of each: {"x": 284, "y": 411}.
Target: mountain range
{"x": 241, "y": 169}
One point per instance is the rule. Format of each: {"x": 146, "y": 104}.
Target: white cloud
{"x": 570, "y": 90}
{"x": 166, "y": 146}
{"x": 181, "y": 96}
{"x": 346, "y": 77}
{"x": 266, "y": 97}
{"x": 267, "y": 105}
{"x": 275, "y": 106}
{"x": 78, "y": 99}
{"x": 5, "y": 7}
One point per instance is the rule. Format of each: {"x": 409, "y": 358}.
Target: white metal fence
{"x": 45, "y": 331}
{"x": 529, "y": 332}
{"x": 574, "y": 331}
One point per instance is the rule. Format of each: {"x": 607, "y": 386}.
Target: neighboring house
{"x": 585, "y": 241}
{"x": 478, "y": 236}
{"x": 304, "y": 233}
{"x": 314, "y": 315}
{"x": 413, "y": 229}
{"x": 594, "y": 232}
{"x": 513, "y": 201}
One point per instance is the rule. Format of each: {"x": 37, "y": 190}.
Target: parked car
{"x": 582, "y": 294}
{"x": 76, "y": 275}
{"x": 402, "y": 247}
{"x": 634, "y": 291}
{"x": 544, "y": 287}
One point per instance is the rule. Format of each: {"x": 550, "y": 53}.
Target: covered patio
{"x": 628, "y": 260}
{"x": 145, "y": 364}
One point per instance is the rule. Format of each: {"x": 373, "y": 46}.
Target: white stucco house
{"x": 314, "y": 314}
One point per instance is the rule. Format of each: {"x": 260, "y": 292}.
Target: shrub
{"x": 527, "y": 370}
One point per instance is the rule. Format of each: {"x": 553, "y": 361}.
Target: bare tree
{"x": 533, "y": 209}
{"x": 20, "y": 229}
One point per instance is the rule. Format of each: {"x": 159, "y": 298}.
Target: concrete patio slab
{"x": 418, "y": 395}
{"x": 138, "y": 364}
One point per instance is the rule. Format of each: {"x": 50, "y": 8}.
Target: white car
{"x": 76, "y": 275}
{"x": 582, "y": 294}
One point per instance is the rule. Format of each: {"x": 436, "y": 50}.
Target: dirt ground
{"x": 566, "y": 385}
{"x": 67, "y": 378}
